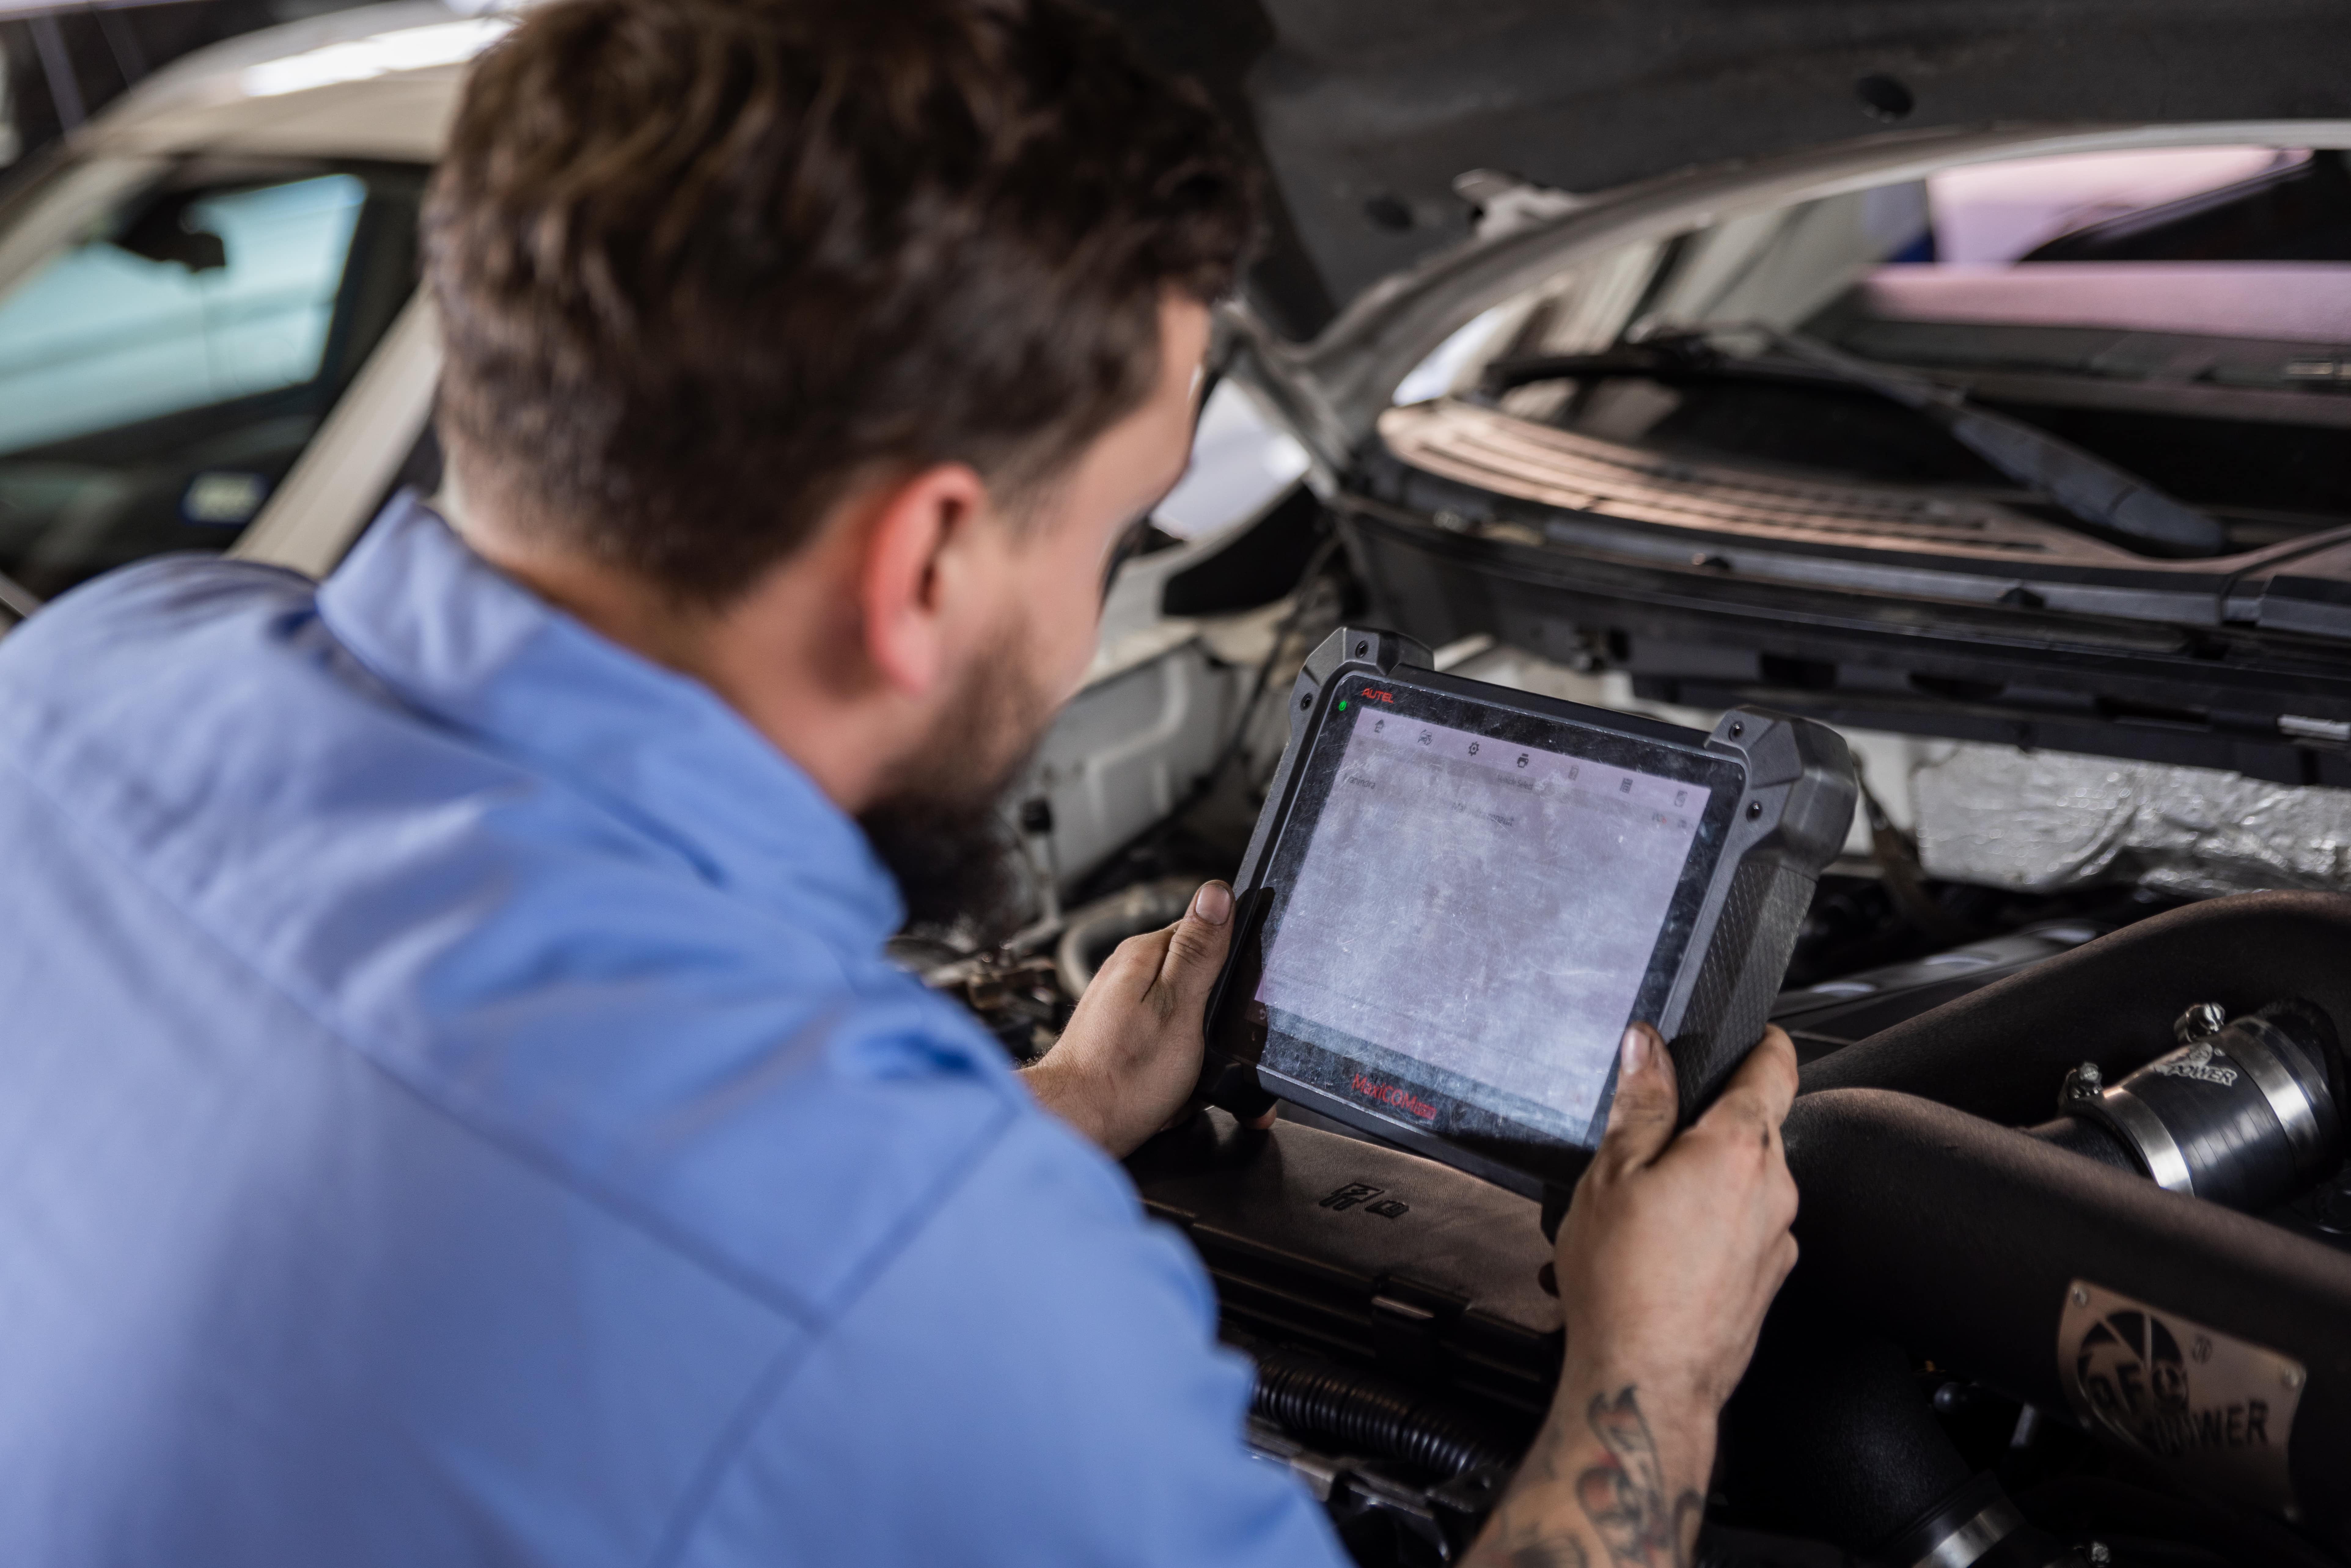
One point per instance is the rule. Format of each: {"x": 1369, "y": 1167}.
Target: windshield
{"x": 169, "y": 346}
{"x": 2183, "y": 314}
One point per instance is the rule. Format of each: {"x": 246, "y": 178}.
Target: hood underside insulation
{"x": 2043, "y": 822}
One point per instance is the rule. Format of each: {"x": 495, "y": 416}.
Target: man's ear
{"x": 916, "y": 572}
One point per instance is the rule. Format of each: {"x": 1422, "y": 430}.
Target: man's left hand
{"x": 1130, "y": 1056}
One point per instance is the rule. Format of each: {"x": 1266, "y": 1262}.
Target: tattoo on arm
{"x": 1623, "y": 1497}
{"x": 1624, "y": 1494}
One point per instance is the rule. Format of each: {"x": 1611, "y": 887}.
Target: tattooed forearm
{"x": 1584, "y": 1493}
{"x": 1624, "y": 1494}
{"x": 1534, "y": 1527}
{"x": 1530, "y": 1547}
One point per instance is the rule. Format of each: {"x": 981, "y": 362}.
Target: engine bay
{"x": 2069, "y": 1007}
{"x": 2021, "y": 1334}
{"x": 2028, "y": 1327}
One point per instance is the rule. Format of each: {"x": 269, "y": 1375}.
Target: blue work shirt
{"x": 454, "y": 1110}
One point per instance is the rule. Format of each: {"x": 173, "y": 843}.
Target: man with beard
{"x": 455, "y": 1105}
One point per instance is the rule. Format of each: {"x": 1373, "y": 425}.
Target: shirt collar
{"x": 453, "y": 636}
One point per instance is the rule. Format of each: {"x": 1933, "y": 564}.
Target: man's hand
{"x": 1671, "y": 1250}
{"x": 1673, "y": 1246}
{"x": 1130, "y": 1055}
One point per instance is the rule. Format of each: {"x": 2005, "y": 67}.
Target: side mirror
{"x": 162, "y": 233}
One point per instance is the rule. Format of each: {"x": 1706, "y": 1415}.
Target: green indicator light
{"x": 1342, "y": 705}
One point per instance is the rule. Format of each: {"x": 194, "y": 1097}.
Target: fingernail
{"x": 1637, "y": 1048}
{"x": 1213, "y": 903}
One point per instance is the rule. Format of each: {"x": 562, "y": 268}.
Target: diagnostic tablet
{"x": 1458, "y": 895}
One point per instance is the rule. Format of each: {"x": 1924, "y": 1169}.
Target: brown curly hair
{"x": 701, "y": 265}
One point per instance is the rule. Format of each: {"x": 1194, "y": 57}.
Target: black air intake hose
{"x": 2243, "y": 1114}
{"x": 1829, "y": 1433}
{"x": 1308, "y": 1397}
{"x": 1970, "y": 1257}
{"x": 1998, "y": 1052}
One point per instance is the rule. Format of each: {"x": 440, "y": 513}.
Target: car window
{"x": 103, "y": 336}
{"x": 163, "y": 370}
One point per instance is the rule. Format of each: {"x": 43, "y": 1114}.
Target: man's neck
{"x": 784, "y": 692}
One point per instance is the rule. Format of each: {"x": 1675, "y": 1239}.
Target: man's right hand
{"x": 1672, "y": 1249}
{"x": 1674, "y": 1246}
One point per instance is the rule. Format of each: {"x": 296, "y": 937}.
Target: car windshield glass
{"x": 2181, "y": 316}
{"x": 165, "y": 363}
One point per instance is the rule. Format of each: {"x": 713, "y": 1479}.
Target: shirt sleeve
{"x": 1032, "y": 1379}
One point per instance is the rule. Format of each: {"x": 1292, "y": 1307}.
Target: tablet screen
{"x": 1470, "y": 903}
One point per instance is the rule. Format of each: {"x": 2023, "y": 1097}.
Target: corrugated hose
{"x": 1363, "y": 1414}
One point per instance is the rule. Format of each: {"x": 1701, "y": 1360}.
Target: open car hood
{"x": 1431, "y": 162}
{"x": 1367, "y": 111}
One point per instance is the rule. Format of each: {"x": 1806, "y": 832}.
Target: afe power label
{"x": 2213, "y": 1411}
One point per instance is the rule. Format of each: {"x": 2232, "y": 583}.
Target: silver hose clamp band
{"x": 2151, "y": 1138}
{"x": 1970, "y": 1541}
{"x": 2250, "y": 1048}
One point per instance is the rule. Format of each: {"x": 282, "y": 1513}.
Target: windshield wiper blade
{"x": 2089, "y": 487}
{"x": 2093, "y": 490}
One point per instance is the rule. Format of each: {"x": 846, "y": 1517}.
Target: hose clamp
{"x": 1992, "y": 1525}
{"x": 2149, "y": 1138}
{"x": 2254, "y": 1045}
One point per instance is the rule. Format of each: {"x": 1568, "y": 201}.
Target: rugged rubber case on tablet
{"x": 1790, "y": 821}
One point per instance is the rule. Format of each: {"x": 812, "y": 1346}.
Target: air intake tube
{"x": 2244, "y": 1113}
